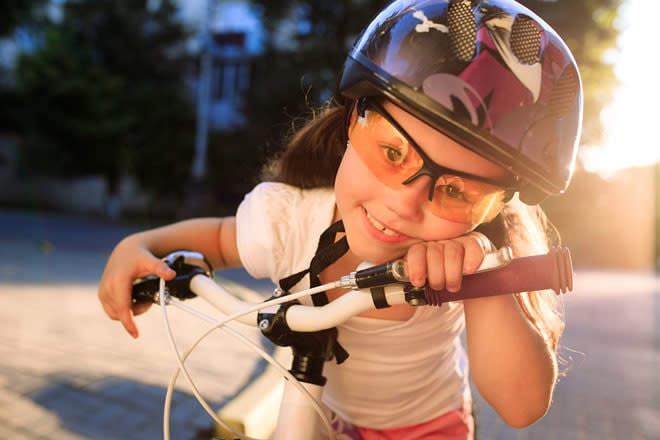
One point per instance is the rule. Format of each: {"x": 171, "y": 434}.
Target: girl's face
{"x": 383, "y": 221}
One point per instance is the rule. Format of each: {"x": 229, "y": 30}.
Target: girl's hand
{"x": 128, "y": 261}
{"x": 443, "y": 263}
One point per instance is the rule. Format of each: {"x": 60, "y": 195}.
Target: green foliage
{"x": 16, "y": 12}
{"x": 289, "y": 83}
{"x": 74, "y": 115}
{"x": 307, "y": 71}
{"x": 104, "y": 93}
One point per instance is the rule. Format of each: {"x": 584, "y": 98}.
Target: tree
{"x": 74, "y": 123}
{"x": 321, "y": 34}
{"x": 17, "y": 12}
{"x": 105, "y": 94}
{"x": 289, "y": 81}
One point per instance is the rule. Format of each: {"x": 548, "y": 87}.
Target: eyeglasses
{"x": 395, "y": 159}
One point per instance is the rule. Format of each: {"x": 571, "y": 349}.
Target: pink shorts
{"x": 454, "y": 425}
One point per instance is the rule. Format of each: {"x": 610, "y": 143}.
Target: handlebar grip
{"x": 186, "y": 264}
{"x": 145, "y": 290}
{"x": 553, "y": 270}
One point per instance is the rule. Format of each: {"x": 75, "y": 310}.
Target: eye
{"x": 451, "y": 187}
{"x": 393, "y": 155}
{"x": 453, "y": 192}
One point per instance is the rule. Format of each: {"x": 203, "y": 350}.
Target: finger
{"x": 416, "y": 265}
{"x": 476, "y": 245}
{"x": 117, "y": 302}
{"x": 435, "y": 260}
{"x": 161, "y": 269}
{"x": 153, "y": 266}
{"x": 109, "y": 310}
{"x": 123, "y": 314}
{"x": 454, "y": 254}
{"x": 126, "y": 319}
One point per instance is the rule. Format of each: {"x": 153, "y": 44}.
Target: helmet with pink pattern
{"x": 490, "y": 74}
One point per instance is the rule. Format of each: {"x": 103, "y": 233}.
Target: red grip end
{"x": 553, "y": 270}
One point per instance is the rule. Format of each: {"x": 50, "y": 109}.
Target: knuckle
{"x": 435, "y": 249}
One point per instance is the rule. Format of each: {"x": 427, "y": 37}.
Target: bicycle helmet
{"x": 490, "y": 74}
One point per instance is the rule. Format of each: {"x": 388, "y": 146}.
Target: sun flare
{"x": 630, "y": 121}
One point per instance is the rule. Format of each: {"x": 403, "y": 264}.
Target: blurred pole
{"x": 203, "y": 98}
{"x": 197, "y": 192}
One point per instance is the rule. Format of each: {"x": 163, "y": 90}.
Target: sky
{"x": 631, "y": 119}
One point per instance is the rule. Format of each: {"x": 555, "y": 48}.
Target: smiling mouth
{"x": 381, "y": 227}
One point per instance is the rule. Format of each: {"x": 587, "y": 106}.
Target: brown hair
{"x": 312, "y": 156}
{"x": 527, "y": 231}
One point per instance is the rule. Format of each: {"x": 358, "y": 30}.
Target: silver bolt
{"x": 264, "y": 324}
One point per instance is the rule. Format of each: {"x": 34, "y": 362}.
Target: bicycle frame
{"x": 288, "y": 323}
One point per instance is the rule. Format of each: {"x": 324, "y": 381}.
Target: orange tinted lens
{"x": 393, "y": 160}
{"x": 383, "y": 149}
{"x": 465, "y": 200}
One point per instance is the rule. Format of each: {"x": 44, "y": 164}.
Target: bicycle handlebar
{"x": 286, "y": 322}
{"x": 499, "y": 275}
{"x": 553, "y": 270}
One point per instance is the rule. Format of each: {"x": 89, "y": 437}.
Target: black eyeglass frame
{"x": 429, "y": 167}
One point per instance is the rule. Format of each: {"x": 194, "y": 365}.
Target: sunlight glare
{"x": 630, "y": 119}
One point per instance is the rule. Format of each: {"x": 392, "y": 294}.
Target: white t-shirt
{"x": 398, "y": 373}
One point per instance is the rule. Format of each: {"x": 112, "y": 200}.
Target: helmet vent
{"x": 462, "y": 30}
{"x": 565, "y": 91}
{"x": 525, "y": 40}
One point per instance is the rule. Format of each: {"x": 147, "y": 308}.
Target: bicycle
{"x": 288, "y": 323}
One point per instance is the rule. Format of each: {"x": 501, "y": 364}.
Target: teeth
{"x": 381, "y": 227}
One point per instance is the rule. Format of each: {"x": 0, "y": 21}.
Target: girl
{"x": 452, "y": 121}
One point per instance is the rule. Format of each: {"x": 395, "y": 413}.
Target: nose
{"x": 408, "y": 201}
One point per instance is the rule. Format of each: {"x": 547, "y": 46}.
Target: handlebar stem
{"x": 310, "y": 349}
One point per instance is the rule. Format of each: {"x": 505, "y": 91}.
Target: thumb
{"x": 161, "y": 269}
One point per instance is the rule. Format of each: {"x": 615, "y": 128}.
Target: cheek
{"x": 356, "y": 185}
{"x": 353, "y": 181}
{"x": 438, "y": 229}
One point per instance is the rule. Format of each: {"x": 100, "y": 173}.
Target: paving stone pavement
{"x": 67, "y": 372}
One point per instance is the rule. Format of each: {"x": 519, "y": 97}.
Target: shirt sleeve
{"x": 278, "y": 227}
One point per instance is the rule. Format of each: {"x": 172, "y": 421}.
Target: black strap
{"x": 327, "y": 252}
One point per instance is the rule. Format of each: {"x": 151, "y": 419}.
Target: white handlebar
{"x": 303, "y": 318}
{"x": 300, "y": 318}
{"x": 223, "y": 300}
{"x": 308, "y": 319}
{"x": 498, "y": 274}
